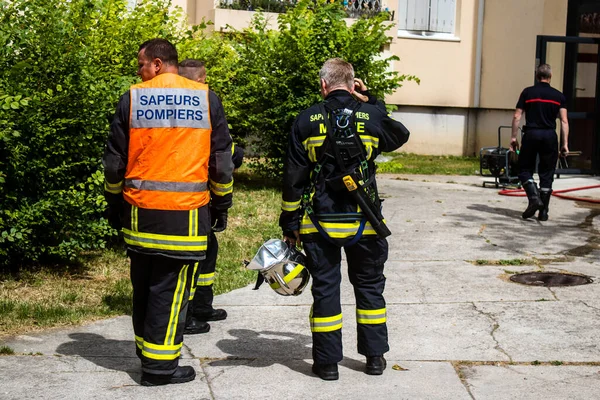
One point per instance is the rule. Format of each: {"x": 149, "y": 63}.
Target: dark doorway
{"x": 581, "y": 86}
{"x": 581, "y": 82}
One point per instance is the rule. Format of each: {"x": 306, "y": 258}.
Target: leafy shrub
{"x": 63, "y": 66}
{"x": 277, "y": 73}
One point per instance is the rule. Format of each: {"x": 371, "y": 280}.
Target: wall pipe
{"x": 478, "y": 55}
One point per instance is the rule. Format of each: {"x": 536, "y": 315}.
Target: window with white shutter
{"x": 427, "y": 15}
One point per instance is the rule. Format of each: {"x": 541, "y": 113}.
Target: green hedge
{"x": 64, "y": 64}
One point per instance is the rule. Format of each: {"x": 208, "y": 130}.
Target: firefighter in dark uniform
{"x": 169, "y": 143}
{"x": 542, "y": 104}
{"x": 200, "y": 307}
{"x": 330, "y": 201}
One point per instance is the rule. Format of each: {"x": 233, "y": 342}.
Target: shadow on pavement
{"x": 118, "y": 355}
{"x": 506, "y": 212}
{"x": 266, "y": 348}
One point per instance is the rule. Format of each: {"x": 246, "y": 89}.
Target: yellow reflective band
{"x": 288, "y": 278}
{"x": 336, "y": 230}
{"x": 163, "y": 357}
{"x": 193, "y": 285}
{"x": 193, "y": 222}
{"x": 290, "y": 205}
{"x": 232, "y": 147}
{"x": 370, "y": 140}
{"x": 134, "y": 219}
{"x": 139, "y": 342}
{"x": 161, "y": 352}
{"x": 114, "y": 188}
{"x": 370, "y": 317}
{"x": 165, "y": 242}
{"x": 206, "y": 279}
{"x": 294, "y": 273}
{"x": 221, "y": 189}
{"x": 176, "y": 306}
{"x": 326, "y": 324}
{"x": 311, "y": 144}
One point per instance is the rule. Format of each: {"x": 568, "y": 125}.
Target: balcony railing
{"x": 354, "y": 8}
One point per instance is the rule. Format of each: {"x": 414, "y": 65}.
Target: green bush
{"x": 63, "y": 66}
{"x": 277, "y": 73}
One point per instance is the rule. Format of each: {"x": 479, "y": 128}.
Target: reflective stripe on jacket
{"x": 169, "y": 144}
{"x": 163, "y": 156}
{"x": 335, "y": 210}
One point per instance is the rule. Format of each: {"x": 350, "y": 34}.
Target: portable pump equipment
{"x": 499, "y": 162}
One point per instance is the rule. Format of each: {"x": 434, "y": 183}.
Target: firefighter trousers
{"x": 201, "y": 297}
{"x": 365, "y": 270}
{"x": 542, "y": 143}
{"x": 161, "y": 288}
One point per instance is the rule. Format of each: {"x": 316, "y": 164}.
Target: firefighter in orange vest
{"x": 169, "y": 144}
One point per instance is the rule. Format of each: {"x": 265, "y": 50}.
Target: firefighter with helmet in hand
{"x": 330, "y": 201}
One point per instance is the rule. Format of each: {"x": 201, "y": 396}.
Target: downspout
{"x": 478, "y": 51}
{"x": 471, "y": 139}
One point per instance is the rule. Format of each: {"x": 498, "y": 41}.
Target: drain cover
{"x": 550, "y": 279}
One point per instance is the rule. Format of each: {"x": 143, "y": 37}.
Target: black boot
{"x": 545, "y": 195}
{"x": 215, "y": 315}
{"x": 181, "y": 375}
{"x": 194, "y": 326}
{"x": 327, "y": 372}
{"x": 535, "y": 203}
{"x": 375, "y": 365}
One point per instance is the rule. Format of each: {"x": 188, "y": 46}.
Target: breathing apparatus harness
{"x": 344, "y": 145}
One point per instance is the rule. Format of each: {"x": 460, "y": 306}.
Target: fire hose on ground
{"x": 558, "y": 193}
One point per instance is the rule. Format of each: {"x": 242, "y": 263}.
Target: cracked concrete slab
{"x": 74, "y": 377}
{"x": 533, "y": 382}
{"x": 292, "y": 379}
{"x": 449, "y": 301}
{"x": 546, "y": 330}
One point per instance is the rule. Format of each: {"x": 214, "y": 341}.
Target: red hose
{"x": 557, "y": 193}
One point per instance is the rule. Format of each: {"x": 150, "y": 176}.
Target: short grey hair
{"x": 543, "y": 71}
{"x": 337, "y": 72}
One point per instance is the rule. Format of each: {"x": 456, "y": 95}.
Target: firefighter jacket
{"x": 334, "y": 210}
{"x": 168, "y": 156}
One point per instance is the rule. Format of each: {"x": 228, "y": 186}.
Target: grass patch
{"x": 408, "y": 163}
{"x": 99, "y": 285}
{"x": 6, "y": 351}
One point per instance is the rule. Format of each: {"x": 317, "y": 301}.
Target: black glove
{"x": 114, "y": 215}
{"x": 218, "y": 220}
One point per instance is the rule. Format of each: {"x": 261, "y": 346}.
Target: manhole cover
{"x": 550, "y": 279}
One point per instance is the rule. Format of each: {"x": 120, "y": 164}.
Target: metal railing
{"x": 354, "y": 8}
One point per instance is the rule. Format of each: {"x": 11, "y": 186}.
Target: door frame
{"x": 569, "y": 80}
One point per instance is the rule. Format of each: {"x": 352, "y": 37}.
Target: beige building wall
{"x": 509, "y": 41}
{"x": 445, "y": 67}
{"x": 448, "y": 113}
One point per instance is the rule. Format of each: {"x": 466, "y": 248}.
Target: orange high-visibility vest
{"x": 169, "y": 144}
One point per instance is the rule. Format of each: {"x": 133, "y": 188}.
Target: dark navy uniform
{"x": 331, "y": 219}
{"x": 541, "y": 104}
{"x": 201, "y": 297}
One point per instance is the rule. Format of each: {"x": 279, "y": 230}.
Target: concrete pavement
{"x": 458, "y": 327}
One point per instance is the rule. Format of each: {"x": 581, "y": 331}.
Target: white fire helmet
{"x": 282, "y": 266}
